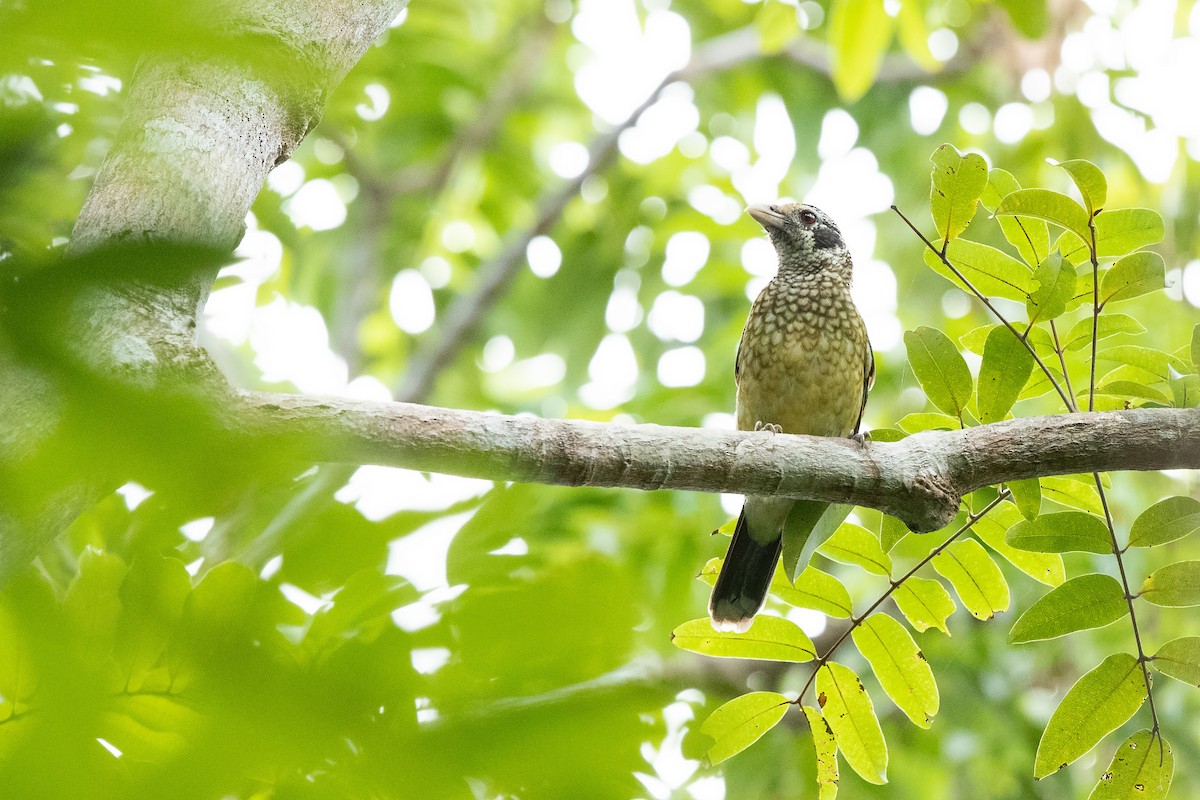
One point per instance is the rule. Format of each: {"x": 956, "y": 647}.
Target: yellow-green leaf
{"x": 1061, "y": 532}
{"x": 777, "y": 24}
{"x": 769, "y": 639}
{"x": 914, "y": 35}
{"x": 956, "y": 184}
{"x": 1090, "y": 181}
{"x": 993, "y": 272}
{"x": 1117, "y": 233}
{"x": 1084, "y": 602}
{"x": 1099, "y": 703}
{"x": 991, "y": 529}
{"x": 741, "y": 722}
{"x": 1180, "y": 659}
{"x": 1132, "y": 276}
{"x": 1175, "y": 585}
{"x": 826, "y": 747}
{"x": 1027, "y": 495}
{"x": 925, "y": 603}
{"x": 939, "y": 368}
{"x": 1067, "y": 491}
{"x": 900, "y": 667}
{"x": 1165, "y": 521}
{"x": 1056, "y": 286}
{"x": 814, "y": 589}
{"x": 851, "y": 717}
{"x": 928, "y": 421}
{"x": 1080, "y": 335}
{"x": 1052, "y": 207}
{"x": 1005, "y": 369}
{"x": 854, "y": 544}
{"x": 975, "y": 577}
{"x": 1141, "y": 769}
{"x": 860, "y": 32}
{"x": 1030, "y": 236}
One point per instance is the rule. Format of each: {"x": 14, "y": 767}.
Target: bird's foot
{"x": 862, "y": 437}
{"x": 768, "y": 427}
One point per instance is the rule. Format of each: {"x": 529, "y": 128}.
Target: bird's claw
{"x": 862, "y": 437}
{"x": 767, "y": 427}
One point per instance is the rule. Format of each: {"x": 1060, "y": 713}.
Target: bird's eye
{"x": 808, "y": 217}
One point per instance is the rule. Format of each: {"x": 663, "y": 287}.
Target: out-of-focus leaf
{"x": 1132, "y": 276}
{"x": 769, "y": 639}
{"x": 826, "y": 746}
{"x": 854, "y": 544}
{"x": 956, "y": 184}
{"x": 1154, "y": 363}
{"x": 993, "y": 272}
{"x": 925, "y": 603}
{"x": 900, "y": 667}
{"x": 1090, "y": 181}
{"x": 1072, "y": 493}
{"x": 777, "y": 24}
{"x": 93, "y": 602}
{"x": 1080, "y": 335}
{"x": 367, "y": 599}
{"x": 1028, "y": 16}
{"x": 1030, "y": 236}
{"x": 860, "y": 32}
{"x": 1175, "y": 585}
{"x": 814, "y": 589}
{"x": 1062, "y": 532}
{"x": 741, "y": 722}
{"x": 851, "y": 717}
{"x": 1046, "y": 205}
{"x": 940, "y": 369}
{"x": 1027, "y": 494}
{"x": 1117, "y": 233}
{"x": 1165, "y": 521}
{"x": 1141, "y": 769}
{"x": 914, "y": 35}
{"x": 1005, "y": 369}
{"x": 152, "y": 600}
{"x": 1085, "y": 601}
{"x": 1196, "y": 347}
{"x": 1098, "y": 703}
{"x": 1180, "y": 659}
{"x": 1056, "y": 286}
{"x": 975, "y": 577}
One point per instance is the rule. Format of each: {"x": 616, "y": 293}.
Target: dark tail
{"x": 742, "y": 582}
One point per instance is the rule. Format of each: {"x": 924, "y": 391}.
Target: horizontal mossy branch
{"x": 920, "y": 479}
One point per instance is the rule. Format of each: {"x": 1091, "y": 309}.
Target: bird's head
{"x": 805, "y": 238}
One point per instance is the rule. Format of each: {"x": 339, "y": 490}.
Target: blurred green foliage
{"x": 226, "y": 647}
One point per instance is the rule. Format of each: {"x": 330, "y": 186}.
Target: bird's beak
{"x": 764, "y": 216}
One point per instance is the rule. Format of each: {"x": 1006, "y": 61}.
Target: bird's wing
{"x": 868, "y": 382}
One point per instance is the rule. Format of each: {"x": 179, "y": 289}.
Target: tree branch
{"x": 920, "y": 479}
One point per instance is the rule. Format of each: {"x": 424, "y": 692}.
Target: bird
{"x": 804, "y": 365}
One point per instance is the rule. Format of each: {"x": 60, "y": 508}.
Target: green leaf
{"x": 1067, "y": 491}
{"x": 809, "y": 524}
{"x": 991, "y": 529}
{"x": 1084, "y": 602}
{"x": 1080, "y": 335}
{"x": 1027, "y": 495}
{"x": 940, "y": 369}
{"x": 1175, "y": 585}
{"x": 1028, "y": 16}
{"x": 1125, "y": 389}
{"x": 925, "y": 603}
{"x": 777, "y": 25}
{"x": 957, "y": 181}
{"x": 900, "y": 667}
{"x": 1154, "y": 363}
{"x": 1133, "y": 276}
{"x": 741, "y": 722}
{"x": 93, "y": 602}
{"x": 1056, "y": 286}
{"x": 1005, "y": 369}
{"x": 1099, "y": 703}
{"x": 860, "y": 32}
{"x": 1117, "y": 233}
{"x": 1030, "y": 236}
{"x": 1185, "y": 389}
{"x": 851, "y": 717}
{"x": 826, "y": 746}
{"x": 928, "y": 421}
{"x": 914, "y": 35}
{"x": 975, "y": 577}
{"x": 1062, "y": 532}
{"x": 1046, "y": 205}
{"x": 814, "y": 589}
{"x": 769, "y": 639}
{"x": 1141, "y": 769}
{"x": 366, "y": 601}
{"x": 1165, "y": 521}
{"x": 993, "y": 272}
{"x": 152, "y": 599}
{"x": 891, "y": 531}
{"x": 1180, "y": 659}
{"x": 854, "y": 544}
{"x": 1090, "y": 181}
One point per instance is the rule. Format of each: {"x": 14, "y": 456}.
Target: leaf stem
{"x": 1062, "y": 362}
{"x": 983, "y": 299}
{"x": 1095, "y": 312}
{"x": 856, "y": 621}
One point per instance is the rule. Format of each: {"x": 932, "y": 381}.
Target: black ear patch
{"x": 826, "y": 237}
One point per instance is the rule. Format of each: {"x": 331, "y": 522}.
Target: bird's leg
{"x": 767, "y": 427}
{"x": 862, "y": 437}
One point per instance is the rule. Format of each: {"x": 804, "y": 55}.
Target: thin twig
{"x": 1062, "y": 362}
{"x": 1095, "y": 312}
